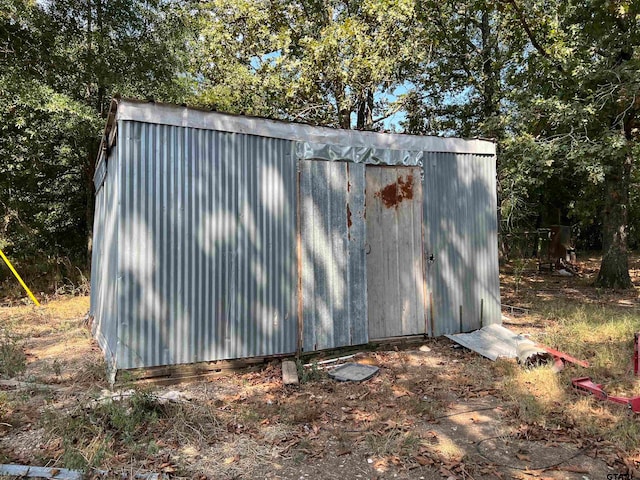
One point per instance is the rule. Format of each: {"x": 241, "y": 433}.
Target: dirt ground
{"x": 433, "y": 411}
{"x": 535, "y": 288}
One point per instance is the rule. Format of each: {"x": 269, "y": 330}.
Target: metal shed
{"x": 222, "y": 237}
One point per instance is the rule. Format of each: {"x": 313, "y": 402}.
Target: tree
{"x": 41, "y": 204}
{"x": 556, "y": 85}
{"x": 131, "y": 47}
{"x": 458, "y": 91}
{"x": 331, "y": 62}
{"x": 61, "y": 62}
{"x": 581, "y": 78}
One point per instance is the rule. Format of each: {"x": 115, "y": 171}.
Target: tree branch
{"x": 447, "y": 34}
{"x": 531, "y": 36}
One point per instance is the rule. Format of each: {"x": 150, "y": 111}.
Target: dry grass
{"x": 249, "y": 425}
{"x": 448, "y": 449}
{"x": 49, "y": 279}
{"x": 594, "y": 325}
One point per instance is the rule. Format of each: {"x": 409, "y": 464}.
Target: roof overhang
{"x": 180, "y": 116}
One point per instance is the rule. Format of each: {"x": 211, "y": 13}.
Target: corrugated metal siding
{"x": 208, "y": 246}
{"x": 460, "y": 216}
{"x": 104, "y": 263}
{"x": 100, "y": 174}
{"x": 334, "y": 292}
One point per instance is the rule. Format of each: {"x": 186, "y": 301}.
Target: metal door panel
{"x": 333, "y": 234}
{"x": 395, "y": 275}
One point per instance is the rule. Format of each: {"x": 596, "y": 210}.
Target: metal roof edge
{"x": 108, "y": 135}
{"x": 181, "y": 116}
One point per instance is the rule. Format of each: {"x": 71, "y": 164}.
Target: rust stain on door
{"x": 394, "y": 193}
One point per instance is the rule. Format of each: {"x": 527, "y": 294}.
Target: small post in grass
{"x": 24, "y": 285}
{"x": 636, "y": 353}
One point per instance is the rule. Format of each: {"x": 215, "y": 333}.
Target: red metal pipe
{"x": 585, "y": 386}
{"x": 563, "y": 356}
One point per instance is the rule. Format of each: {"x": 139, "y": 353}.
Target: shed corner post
{"x": 111, "y": 373}
{"x": 299, "y": 345}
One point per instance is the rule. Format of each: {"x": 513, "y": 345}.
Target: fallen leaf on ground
{"x": 571, "y": 468}
{"x": 446, "y": 473}
{"x": 230, "y": 460}
{"x": 424, "y": 461}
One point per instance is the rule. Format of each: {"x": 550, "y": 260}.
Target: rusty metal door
{"x": 395, "y": 274}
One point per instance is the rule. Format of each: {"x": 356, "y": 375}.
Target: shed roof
{"x": 181, "y": 116}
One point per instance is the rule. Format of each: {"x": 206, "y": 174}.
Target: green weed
{"x": 13, "y": 360}
{"x": 519, "y": 267}
{"x": 601, "y": 335}
{"x": 312, "y": 373}
{"x": 91, "y": 434}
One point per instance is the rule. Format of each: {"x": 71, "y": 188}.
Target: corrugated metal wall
{"x": 461, "y": 248}
{"x": 207, "y": 244}
{"x": 334, "y": 283}
{"x": 104, "y": 267}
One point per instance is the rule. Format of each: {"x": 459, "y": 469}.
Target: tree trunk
{"x": 361, "y": 113}
{"x": 89, "y": 187}
{"x": 365, "y": 111}
{"x": 489, "y": 86}
{"x": 614, "y": 270}
{"x": 343, "y": 111}
{"x": 490, "y": 93}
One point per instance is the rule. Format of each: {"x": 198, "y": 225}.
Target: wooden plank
{"x": 339, "y": 322}
{"x": 333, "y": 273}
{"x": 404, "y": 235}
{"x": 289, "y": 373}
{"x": 307, "y": 254}
{"x": 299, "y": 256}
{"x": 390, "y": 296}
{"x": 32, "y": 386}
{"x": 375, "y": 345}
{"x": 393, "y": 342}
{"x": 26, "y": 471}
{"x": 357, "y": 258}
{"x": 179, "y": 380}
{"x": 410, "y": 253}
{"x": 203, "y": 368}
{"x": 176, "y": 374}
{"x": 417, "y": 257}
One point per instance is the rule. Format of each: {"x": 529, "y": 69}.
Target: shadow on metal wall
{"x": 461, "y": 242}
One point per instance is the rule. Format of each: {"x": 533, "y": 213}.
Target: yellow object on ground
{"x": 24, "y": 285}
